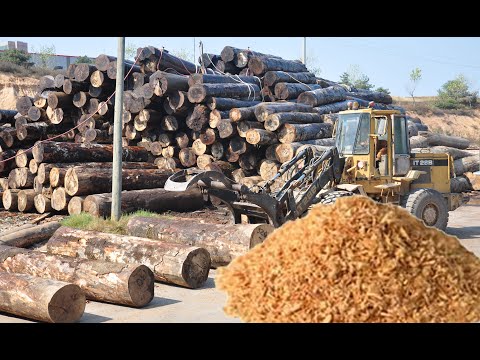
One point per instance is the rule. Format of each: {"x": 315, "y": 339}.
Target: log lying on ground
{"x": 224, "y": 242}
{"x": 156, "y": 200}
{"x": 274, "y": 121}
{"x": 444, "y": 140}
{"x": 220, "y": 103}
{"x": 30, "y": 236}
{"x": 455, "y": 153}
{"x": 171, "y": 263}
{"x": 285, "y": 91}
{"x": 51, "y": 151}
{"x": 286, "y": 152}
{"x": 260, "y": 65}
{"x": 264, "y": 110}
{"x": 273, "y": 77}
{"x": 460, "y": 184}
{"x": 466, "y": 164}
{"x": 90, "y": 181}
{"x": 289, "y": 133}
{"x": 41, "y": 299}
{"x": 323, "y": 96}
{"x": 198, "y": 93}
{"x": 125, "y": 284}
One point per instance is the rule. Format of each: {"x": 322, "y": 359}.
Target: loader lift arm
{"x": 307, "y": 173}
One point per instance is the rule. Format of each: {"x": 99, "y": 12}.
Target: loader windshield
{"x": 353, "y": 134}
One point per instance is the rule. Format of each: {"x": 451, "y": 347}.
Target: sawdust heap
{"x": 354, "y": 261}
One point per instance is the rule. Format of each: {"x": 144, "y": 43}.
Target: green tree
{"x": 15, "y": 56}
{"x": 382, "y": 89}
{"x": 83, "y": 60}
{"x": 131, "y": 51}
{"x": 46, "y": 54}
{"x": 415, "y": 77}
{"x": 456, "y": 93}
{"x": 356, "y": 78}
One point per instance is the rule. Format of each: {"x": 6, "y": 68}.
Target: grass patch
{"x": 87, "y": 221}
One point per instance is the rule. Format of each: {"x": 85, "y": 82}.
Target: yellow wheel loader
{"x": 371, "y": 158}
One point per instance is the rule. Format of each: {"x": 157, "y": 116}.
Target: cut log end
{"x": 141, "y": 286}
{"x": 196, "y": 268}
{"x": 67, "y": 304}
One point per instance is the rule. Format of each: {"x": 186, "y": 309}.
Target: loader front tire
{"x": 427, "y": 205}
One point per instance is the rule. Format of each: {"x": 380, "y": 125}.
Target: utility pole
{"x": 304, "y": 58}
{"x": 117, "y": 134}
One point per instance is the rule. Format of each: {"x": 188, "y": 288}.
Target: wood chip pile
{"x": 354, "y": 261}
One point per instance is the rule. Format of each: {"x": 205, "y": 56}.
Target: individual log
{"x": 172, "y": 82}
{"x": 231, "y": 156}
{"x": 18, "y": 228}
{"x": 237, "y": 145}
{"x": 378, "y": 97}
{"x": 170, "y": 151}
{"x": 289, "y": 133}
{"x": 41, "y": 299}
{"x": 221, "y": 104}
{"x": 466, "y": 164}
{"x": 226, "y": 128}
{"x": 195, "y": 79}
{"x": 23, "y": 104}
{"x": 418, "y": 142}
{"x": 42, "y": 204}
{"x": 170, "y": 164}
{"x": 187, "y": 157}
{"x": 268, "y": 169}
{"x": 474, "y": 180}
{"x": 99, "y": 79}
{"x": 98, "y": 136}
{"x": 22, "y": 158}
{"x": 241, "y": 114}
{"x": 182, "y": 140}
{"x": 33, "y": 166}
{"x": 227, "y": 68}
{"x": 40, "y": 101}
{"x": 444, "y": 140}
{"x": 242, "y": 58}
{"x": 83, "y": 71}
{"x": 239, "y": 174}
{"x": 215, "y": 117}
{"x": 198, "y": 93}
{"x": 102, "y": 61}
{"x": 125, "y": 284}
{"x": 10, "y": 199}
{"x": 169, "y": 123}
{"x": 285, "y": 91}
{"x": 271, "y": 78}
{"x": 154, "y": 59}
{"x": 229, "y": 53}
{"x": 25, "y": 200}
{"x": 261, "y": 137}
{"x": 286, "y": 152}
{"x": 217, "y": 150}
{"x": 264, "y": 110}
{"x": 51, "y": 151}
{"x": 178, "y": 101}
{"x": 60, "y": 199}
{"x": 7, "y": 139}
{"x": 460, "y": 184}
{"x": 323, "y": 96}
{"x": 72, "y": 87}
{"x": 46, "y": 82}
{"x": 59, "y": 80}
{"x": 209, "y": 136}
{"x": 224, "y": 242}
{"x": 59, "y": 99}
{"x": 75, "y": 205}
{"x": 156, "y": 200}
{"x": 332, "y": 108}
{"x": 20, "y": 178}
{"x": 91, "y": 181}
{"x": 208, "y": 60}
{"x": 27, "y": 237}
{"x": 197, "y": 117}
{"x": 170, "y": 262}
{"x": 199, "y": 147}
{"x": 274, "y": 121}
{"x": 35, "y": 114}
{"x": 80, "y": 99}
{"x": 204, "y": 160}
{"x": 260, "y": 65}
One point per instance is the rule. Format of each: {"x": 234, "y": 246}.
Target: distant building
{"x": 54, "y": 62}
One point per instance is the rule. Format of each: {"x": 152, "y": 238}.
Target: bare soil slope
{"x": 12, "y": 86}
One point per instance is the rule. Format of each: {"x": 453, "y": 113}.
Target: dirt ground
{"x": 177, "y": 304}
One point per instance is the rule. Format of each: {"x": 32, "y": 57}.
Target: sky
{"x": 387, "y": 61}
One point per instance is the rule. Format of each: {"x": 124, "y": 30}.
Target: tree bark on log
{"x": 241, "y": 114}
{"x": 260, "y": 65}
{"x": 157, "y": 59}
{"x": 86, "y": 182}
{"x": 264, "y": 110}
{"x": 125, "y": 284}
{"x": 244, "y": 126}
{"x": 72, "y": 87}
{"x": 378, "y": 97}
{"x": 455, "y": 153}
{"x": 244, "y": 56}
{"x": 198, "y": 93}
{"x": 221, "y": 104}
{"x": 289, "y": 133}
{"x": 42, "y": 204}
{"x": 23, "y": 104}
{"x": 238, "y": 145}
{"x": 174, "y": 263}
{"x": 460, "y": 184}
{"x": 274, "y": 121}
{"x": 444, "y": 140}
{"x": 287, "y": 91}
{"x": 286, "y": 152}
{"x": 197, "y": 117}
{"x": 27, "y": 237}
{"x": 41, "y": 299}
{"x": 323, "y": 96}
{"x": 223, "y": 241}
{"x": 418, "y": 142}
{"x": 59, "y": 100}
{"x": 272, "y": 78}
{"x": 51, "y": 151}
{"x": 102, "y": 61}
{"x": 261, "y": 137}
{"x": 196, "y": 79}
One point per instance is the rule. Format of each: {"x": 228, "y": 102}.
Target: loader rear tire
{"x": 427, "y": 205}
{"x": 331, "y": 197}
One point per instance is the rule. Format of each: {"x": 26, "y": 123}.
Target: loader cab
{"x": 375, "y": 143}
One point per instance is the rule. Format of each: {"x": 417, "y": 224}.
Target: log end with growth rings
{"x": 67, "y": 304}
{"x": 196, "y": 267}
{"x": 141, "y": 286}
